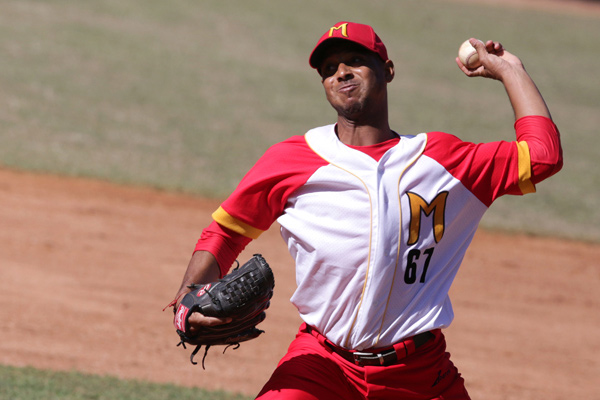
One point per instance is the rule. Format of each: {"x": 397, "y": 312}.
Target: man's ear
{"x": 389, "y": 71}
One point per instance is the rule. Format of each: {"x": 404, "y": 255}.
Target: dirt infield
{"x": 99, "y": 262}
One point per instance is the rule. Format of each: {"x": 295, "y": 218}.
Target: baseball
{"x": 468, "y": 55}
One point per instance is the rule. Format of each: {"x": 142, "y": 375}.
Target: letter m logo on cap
{"x": 343, "y": 28}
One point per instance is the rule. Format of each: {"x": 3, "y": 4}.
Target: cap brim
{"x": 322, "y": 50}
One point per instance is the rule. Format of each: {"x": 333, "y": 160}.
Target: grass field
{"x": 185, "y": 95}
{"x": 34, "y": 384}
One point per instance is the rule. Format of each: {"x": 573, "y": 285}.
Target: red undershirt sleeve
{"x": 222, "y": 243}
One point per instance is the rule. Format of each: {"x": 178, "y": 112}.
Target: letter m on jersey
{"x": 435, "y": 209}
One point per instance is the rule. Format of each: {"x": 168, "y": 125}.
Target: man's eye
{"x": 329, "y": 69}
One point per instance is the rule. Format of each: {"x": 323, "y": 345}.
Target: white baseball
{"x": 468, "y": 55}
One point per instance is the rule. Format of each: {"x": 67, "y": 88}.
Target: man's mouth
{"x": 347, "y": 87}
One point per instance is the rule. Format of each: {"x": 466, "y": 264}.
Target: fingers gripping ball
{"x": 468, "y": 55}
{"x": 243, "y": 295}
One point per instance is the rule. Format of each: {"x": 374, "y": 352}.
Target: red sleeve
{"x": 543, "y": 139}
{"x": 490, "y": 170}
{"x": 261, "y": 196}
{"x": 222, "y": 243}
{"x": 259, "y": 199}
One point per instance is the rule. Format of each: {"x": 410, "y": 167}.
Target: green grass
{"x": 33, "y": 384}
{"x": 186, "y": 95}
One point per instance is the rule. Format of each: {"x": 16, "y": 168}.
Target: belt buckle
{"x": 357, "y": 355}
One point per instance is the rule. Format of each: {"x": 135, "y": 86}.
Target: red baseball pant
{"x": 312, "y": 371}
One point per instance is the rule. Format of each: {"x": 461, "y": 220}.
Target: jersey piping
{"x": 399, "y": 247}
{"x": 235, "y": 224}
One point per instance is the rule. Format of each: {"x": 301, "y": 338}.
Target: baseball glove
{"x": 243, "y": 295}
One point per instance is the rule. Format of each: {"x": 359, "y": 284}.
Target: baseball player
{"x": 378, "y": 222}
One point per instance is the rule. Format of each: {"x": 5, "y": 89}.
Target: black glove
{"x": 243, "y": 295}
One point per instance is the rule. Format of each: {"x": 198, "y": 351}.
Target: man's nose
{"x": 343, "y": 71}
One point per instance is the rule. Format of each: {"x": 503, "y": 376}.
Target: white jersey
{"x": 377, "y": 244}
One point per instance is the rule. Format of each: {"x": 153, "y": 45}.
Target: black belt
{"x": 384, "y": 357}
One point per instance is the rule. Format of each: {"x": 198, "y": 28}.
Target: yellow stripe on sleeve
{"x": 525, "y": 183}
{"x": 223, "y": 218}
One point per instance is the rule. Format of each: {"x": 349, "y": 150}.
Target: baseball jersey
{"x": 378, "y": 240}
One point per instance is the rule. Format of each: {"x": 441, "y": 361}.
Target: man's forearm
{"x": 202, "y": 268}
{"x": 524, "y": 95}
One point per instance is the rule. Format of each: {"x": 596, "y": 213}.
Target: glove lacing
{"x": 197, "y": 349}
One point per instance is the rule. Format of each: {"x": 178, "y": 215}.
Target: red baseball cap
{"x": 361, "y": 34}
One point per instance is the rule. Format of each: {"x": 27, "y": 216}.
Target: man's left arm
{"x": 536, "y": 134}
{"x": 501, "y": 65}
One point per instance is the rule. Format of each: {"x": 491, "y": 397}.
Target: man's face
{"x": 355, "y": 81}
